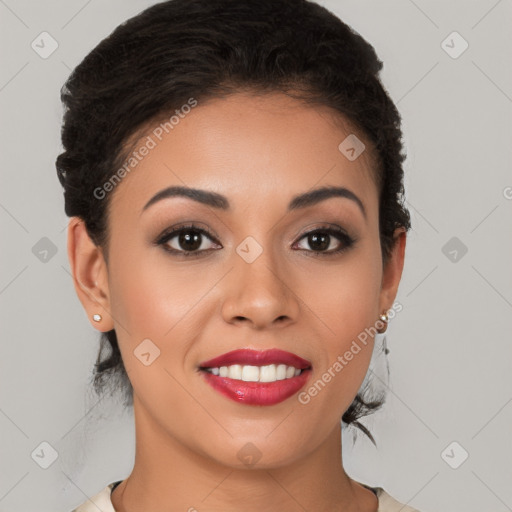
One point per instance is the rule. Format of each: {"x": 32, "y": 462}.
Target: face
{"x": 251, "y": 273}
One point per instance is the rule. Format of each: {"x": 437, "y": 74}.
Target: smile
{"x": 243, "y": 376}
{"x": 247, "y": 373}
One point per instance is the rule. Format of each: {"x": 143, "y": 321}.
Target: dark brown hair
{"x": 153, "y": 63}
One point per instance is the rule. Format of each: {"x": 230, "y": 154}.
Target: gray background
{"x": 450, "y": 347}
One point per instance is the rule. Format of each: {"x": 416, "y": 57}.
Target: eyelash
{"x": 347, "y": 241}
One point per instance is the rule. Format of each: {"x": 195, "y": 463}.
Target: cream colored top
{"x": 102, "y": 502}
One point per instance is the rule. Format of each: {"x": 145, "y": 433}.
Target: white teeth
{"x": 235, "y": 371}
{"x": 281, "y": 372}
{"x": 248, "y": 373}
{"x": 268, "y": 373}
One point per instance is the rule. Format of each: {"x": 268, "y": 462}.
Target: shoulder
{"x": 388, "y": 504}
{"x": 100, "y": 501}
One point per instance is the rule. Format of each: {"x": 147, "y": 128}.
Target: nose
{"x": 258, "y": 293}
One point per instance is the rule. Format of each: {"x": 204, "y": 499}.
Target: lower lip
{"x": 257, "y": 393}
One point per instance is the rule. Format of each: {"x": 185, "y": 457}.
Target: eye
{"x": 186, "y": 240}
{"x": 192, "y": 240}
{"x": 321, "y": 239}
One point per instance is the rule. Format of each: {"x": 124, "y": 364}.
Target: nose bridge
{"x": 257, "y": 289}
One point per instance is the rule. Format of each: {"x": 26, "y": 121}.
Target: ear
{"x": 89, "y": 272}
{"x": 392, "y": 272}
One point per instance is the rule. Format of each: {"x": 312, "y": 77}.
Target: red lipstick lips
{"x": 257, "y": 358}
{"x": 254, "y": 392}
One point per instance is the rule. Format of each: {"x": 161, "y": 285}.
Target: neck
{"x": 167, "y": 475}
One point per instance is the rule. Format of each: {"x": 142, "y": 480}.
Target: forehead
{"x": 253, "y": 149}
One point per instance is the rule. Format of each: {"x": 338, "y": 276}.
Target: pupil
{"x": 320, "y": 240}
{"x": 190, "y": 242}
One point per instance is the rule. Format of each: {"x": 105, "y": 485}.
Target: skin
{"x": 258, "y": 151}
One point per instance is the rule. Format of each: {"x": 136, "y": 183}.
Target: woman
{"x": 233, "y": 174}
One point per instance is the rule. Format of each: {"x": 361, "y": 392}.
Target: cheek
{"x": 345, "y": 302}
{"x": 162, "y": 302}
{"x": 151, "y": 296}
{"x": 345, "y": 296}
{"x": 150, "y": 302}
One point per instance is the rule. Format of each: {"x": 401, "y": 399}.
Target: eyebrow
{"x": 221, "y": 202}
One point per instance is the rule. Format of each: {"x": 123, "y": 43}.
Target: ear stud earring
{"x": 384, "y": 318}
{"x": 96, "y": 317}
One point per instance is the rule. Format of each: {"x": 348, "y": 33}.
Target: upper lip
{"x": 256, "y": 358}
